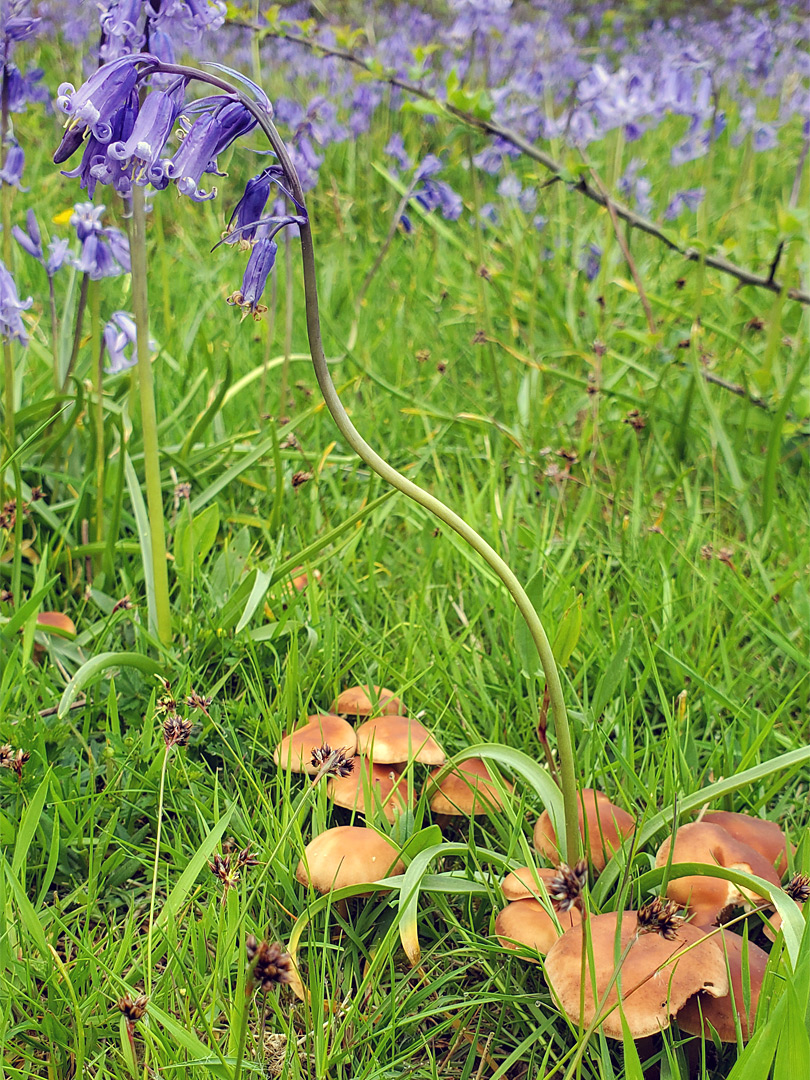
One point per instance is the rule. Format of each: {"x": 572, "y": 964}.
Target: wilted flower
{"x": 331, "y": 762}
{"x": 565, "y": 890}
{"x": 659, "y": 917}
{"x": 176, "y": 730}
{"x": 11, "y": 324}
{"x": 271, "y": 965}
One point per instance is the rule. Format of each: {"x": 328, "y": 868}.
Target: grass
{"x": 683, "y": 544}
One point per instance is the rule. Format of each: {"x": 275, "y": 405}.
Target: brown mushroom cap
{"x": 348, "y": 855}
{"x": 523, "y": 883}
{"x": 649, "y": 997}
{"x": 719, "y": 1013}
{"x": 706, "y": 897}
{"x": 467, "y": 790}
{"x": 56, "y": 620}
{"x": 602, "y": 825}
{"x": 763, "y": 836}
{"x": 390, "y": 740}
{"x": 295, "y": 750}
{"x": 386, "y": 787}
{"x": 526, "y": 922}
{"x": 355, "y": 701}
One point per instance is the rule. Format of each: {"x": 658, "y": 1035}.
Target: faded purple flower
{"x": 11, "y": 324}
{"x": 395, "y": 148}
{"x": 120, "y": 334}
{"x": 689, "y": 199}
{"x": 11, "y": 173}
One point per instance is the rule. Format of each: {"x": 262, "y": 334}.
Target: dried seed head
{"x": 246, "y": 860}
{"x": 221, "y": 868}
{"x": 165, "y": 705}
{"x": 176, "y": 730}
{"x": 14, "y": 761}
{"x": 197, "y": 701}
{"x": 133, "y": 1010}
{"x": 124, "y": 604}
{"x": 660, "y": 917}
{"x": 331, "y": 762}
{"x": 565, "y": 890}
{"x": 6, "y": 596}
{"x": 182, "y": 490}
{"x": 798, "y": 888}
{"x": 271, "y": 965}
{"x": 300, "y": 478}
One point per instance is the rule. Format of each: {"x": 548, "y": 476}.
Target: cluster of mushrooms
{"x": 675, "y": 956}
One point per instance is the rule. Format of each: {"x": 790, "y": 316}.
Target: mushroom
{"x": 295, "y": 750}
{"x": 701, "y": 1014}
{"x": 348, "y": 855}
{"x": 654, "y": 987}
{"x": 602, "y": 825}
{"x": 390, "y": 740}
{"x": 355, "y": 701}
{"x": 529, "y": 923}
{"x": 763, "y": 836}
{"x": 465, "y": 791}
{"x": 707, "y": 897}
{"x": 387, "y": 788}
{"x": 524, "y": 883}
{"x": 56, "y": 621}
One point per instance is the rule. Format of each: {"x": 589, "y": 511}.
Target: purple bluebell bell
{"x": 11, "y": 173}
{"x": 591, "y": 261}
{"x": 208, "y": 135}
{"x": 11, "y": 324}
{"x": 104, "y": 249}
{"x": 261, "y": 262}
{"x": 25, "y": 90}
{"x": 395, "y": 148}
{"x": 246, "y": 216}
{"x": 30, "y": 240}
{"x": 689, "y": 199}
{"x": 98, "y": 100}
{"x": 139, "y": 156}
{"x": 120, "y": 335}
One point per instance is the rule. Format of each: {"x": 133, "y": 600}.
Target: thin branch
{"x": 491, "y": 127}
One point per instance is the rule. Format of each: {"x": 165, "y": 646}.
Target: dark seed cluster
{"x": 660, "y": 917}
{"x": 565, "y": 890}
{"x": 271, "y": 965}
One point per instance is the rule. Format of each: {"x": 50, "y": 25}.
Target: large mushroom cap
{"x": 763, "y": 836}
{"x": 390, "y": 740}
{"x": 649, "y": 996}
{"x": 467, "y": 790}
{"x": 386, "y": 788}
{"x": 602, "y": 825}
{"x": 524, "y": 883}
{"x": 356, "y": 701}
{"x": 706, "y": 897}
{"x": 526, "y": 922}
{"x": 295, "y": 750}
{"x": 719, "y": 1012}
{"x": 348, "y": 855}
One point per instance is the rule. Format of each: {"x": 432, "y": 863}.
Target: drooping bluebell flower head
{"x": 104, "y": 250}
{"x": 30, "y": 240}
{"x": 11, "y": 173}
{"x": 11, "y": 324}
{"x": 120, "y": 335}
{"x": 261, "y": 262}
{"x": 246, "y": 218}
{"x": 98, "y": 100}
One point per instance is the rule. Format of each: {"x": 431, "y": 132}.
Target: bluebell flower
{"x": 591, "y": 261}
{"x": 98, "y": 100}
{"x": 139, "y": 156}
{"x": 95, "y": 167}
{"x": 261, "y": 262}
{"x": 395, "y": 148}
{"x": 438, "y": 195}
{"x": 11, "y": 324}
{"x": 120, "y": 335}
{"x": 30, "y": 241}
{"x": 104, "y": 249}
{"x": 23, "y": 90}
{"x": 247, "y": 215}
{"x": 689, "y": 199}
{"x": 206, "y": 137}
{"x": 635, "y": 188}
{"x": 11, "y": 173}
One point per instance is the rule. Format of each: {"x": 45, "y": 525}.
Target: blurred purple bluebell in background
{"x": 121, "y": 334}
{"x": 11, "y": 324}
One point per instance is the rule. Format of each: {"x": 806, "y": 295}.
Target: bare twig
{"x": 491, "y": 127}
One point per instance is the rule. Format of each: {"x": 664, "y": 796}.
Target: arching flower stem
{"x": 371, "y": 458}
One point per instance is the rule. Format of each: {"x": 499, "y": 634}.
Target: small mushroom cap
{"x": 649, "y": 997}
{"x": 386, "y": 787}
{"x": 602, "y": 825}
{"x": 523, "y": 883}
{"x": 300, "y": 578}
{"x": 356, "y": 701}
{"x": 295, "y": 750}
{"x": 706, "y": 897}
{"x": 719, "y": 1013}
{"x": 526, "y": 922}
{"x": 56, "y": 620}
{"x": 763, "y": 836}
{"x": 390, "y": 740}
{"x": 467, "y": 790}
{"x": 348, "y": 855}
